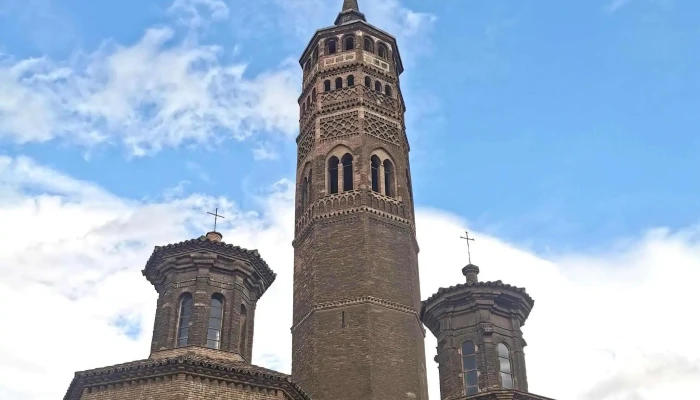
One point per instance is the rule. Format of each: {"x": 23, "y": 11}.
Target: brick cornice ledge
{"x": 361, "y": 300}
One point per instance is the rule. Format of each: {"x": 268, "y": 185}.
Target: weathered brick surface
{"x": 181, "y": 387}
{"x": 486, "y": 313}
{"x": 356, "y": 330}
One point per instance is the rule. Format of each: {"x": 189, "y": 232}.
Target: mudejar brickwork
{"x": 358, "y": 319}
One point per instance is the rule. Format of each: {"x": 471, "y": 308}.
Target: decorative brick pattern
{"x": 337, "y": 126}
{"x": 306, "y": 143}
{"x": 381, "y": 129}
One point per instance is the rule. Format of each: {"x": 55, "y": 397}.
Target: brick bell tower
{"x": 356, "y": 328}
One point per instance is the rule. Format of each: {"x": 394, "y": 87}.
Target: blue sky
{"x": 559, "y": 125}
{"x": 564, "y": 134}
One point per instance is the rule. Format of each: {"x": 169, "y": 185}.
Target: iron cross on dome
{"x": 216, "y": 216}
{"x": 467, "y": 238}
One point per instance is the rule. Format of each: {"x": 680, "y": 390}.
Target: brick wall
{"x": 181, "y": 387}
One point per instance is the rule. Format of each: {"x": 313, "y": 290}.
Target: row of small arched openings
{"x": 470, "y": 370}
{"x": 349, "y": 42}
{"x": 339, "y": 83}
{"x": 214, "y": 325}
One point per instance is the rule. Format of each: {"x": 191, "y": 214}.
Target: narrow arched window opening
{"x": 309, "y": 188}
{"x": 505, "y": 366}
{"x": 216, "y": 316}
{"x": 307, "y": 66}
{"x": 331, "y": 46}
{"x": 304, "y": 192}
{"x": 183, "y": 328}
{"x": 351, "y": 81}
{"x": 378, "y": 86}
{"x": 368, "y": 81}
{"x": 308, "y": 101}
{"x": 339, "y": 83}
{"x": 387, "y": 90}
{"x": 368, "y": 45}
{"x": 313, "y": 95}
{"x": 375, "y": 163}
{"x": 347, "y": 172}
{"x": 471, "y": 377}
{"x": 327, "y": 86}
{"x": 389, "y": 178}
{"x": 314, "y": 56}
{"x": 349, "y": 43}
{"x": 243, "y": 336}
{"x": 408, "y": 181}
{"x": 333, "y": 175}
{"x": 383, "y": 52}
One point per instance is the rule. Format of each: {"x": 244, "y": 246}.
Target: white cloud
{"x": 264, "y": 151}
{"x": 605, "y": 326}
{"x": 196, "y": 13}
{"x": 155, "y": 93}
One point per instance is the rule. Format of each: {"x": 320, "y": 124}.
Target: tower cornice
{"x": 355, "y": 25}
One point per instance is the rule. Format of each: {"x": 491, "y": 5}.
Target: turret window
{"x": 314, "y": 56}
{"x": 331, "y": 46}
{"x": 387, "y": 90}
{"x": 327, "y": 86}
{"x": 351, "y": 81}
{"x": 469, "y": 373}
{"x": 347, "y": 172}
{"x": 383, "y": 51}
{"x": 505, "y": 366}
{"x": 368, "y": 81}
{"x": 389, "y": 178}
{"x": 378, "y": 86}
{"x": 243, "y": 336}
{"x": 349, "y": 43}
{"x": 368, "y": 45}
{"x": 339, "y": 83}
{"x": 333, "y": 175}
{"x": 183, "y": 328}
{"x": 374, "y": 161}
{"x": 216, "y": 316}
{"x": 313, "y": 95}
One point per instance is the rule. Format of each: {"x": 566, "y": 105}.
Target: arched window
{"x": 304, "y": 192}
{"x": 216, "y": 316}
{"x": 505, "y": 367}
{"x": 308, "y": 101}
{"x": 408, "y": 181}
{"x": 313, "y": 95}
{"x": 383, "y": 51}
{"x": 331, "y": 46}
{"x": 314, "y": 56}
{"x": 338, "y": 83}
{"x": 243, "y": 336}
{"x": 368, "y": 81}
{"x": 309, "y": 188}
{"x": 389, "y": 178}
{"x": 368, "y": 45}
{"x": 349, "y": 43}
{"x": 307, "y": 66}
{"x": 333, "y": 175}
{"x": 378, "y": 86}
{"x": 327, "y": 86}
{"x": 374, "y": 162}
{"x": 347, "y": 172}
{"x": 351, "y": 81}
{"x": 387, "y": 90}
{"x": 471, "y": 378}
{"x": 183, "y": 327}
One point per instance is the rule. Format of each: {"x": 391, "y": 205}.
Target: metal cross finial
{"x": 467, "y": 238}
{"x": 216, "y": 216}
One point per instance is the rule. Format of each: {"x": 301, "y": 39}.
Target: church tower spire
{"x": 349, "y": 13}
{"x": 356, "y": 331}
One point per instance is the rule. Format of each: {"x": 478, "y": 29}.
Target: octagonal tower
{"x": 356, "y": 330}
{"x": 480, "y": 352}
{"x": 207, "y": 293}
